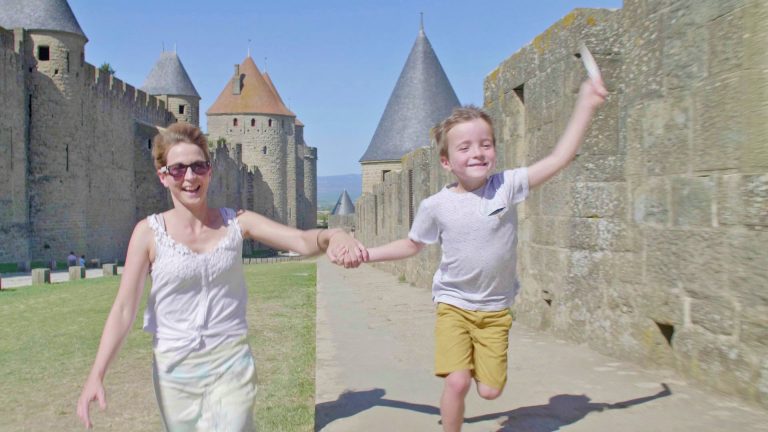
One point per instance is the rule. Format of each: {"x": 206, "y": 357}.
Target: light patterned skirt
{"x": 208, "y": 391}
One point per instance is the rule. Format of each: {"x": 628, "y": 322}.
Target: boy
{"x": 475, "y": 222}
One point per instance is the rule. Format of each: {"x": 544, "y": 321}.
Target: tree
{"x": 106, "y": 68}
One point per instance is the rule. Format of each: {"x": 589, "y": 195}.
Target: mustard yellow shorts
{"x": 473, "y": 340}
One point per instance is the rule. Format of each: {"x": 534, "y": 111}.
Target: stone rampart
{"x": 650, "y": 246}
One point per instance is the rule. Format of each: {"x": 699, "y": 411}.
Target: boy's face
{"x": 471, "y": 153}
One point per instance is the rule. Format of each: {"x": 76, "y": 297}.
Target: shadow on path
{"x": 561, "y": 410}
{"x": 350, "y": 403}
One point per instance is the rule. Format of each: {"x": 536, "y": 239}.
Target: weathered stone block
{"x": 76, "y": 273}
{"x": 755, "y": 199}
{"x": 600, "y": 234}
{"x": 726, "y": 42}
{"x": 651, "y": 202}
{"x": 668, "y": 149}
{"x": 717, "y": 314}
{"x": 692, "y": 201}
{"x": 719, "y": 128}
{"x": 604, "y": 200}
{"x": 689, "y": 259}
{"x": 595, "y": 168}
{"x": 41, "y": 276}
{"x": 753, "y": 330}
{"x": 746, "y": 267}
{"x": 109, "y": 269}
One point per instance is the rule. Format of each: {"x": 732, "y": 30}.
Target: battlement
{"x": 6, "y": 39}
{"x": 112, "y": 86}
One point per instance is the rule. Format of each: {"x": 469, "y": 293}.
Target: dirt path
{"x": 374, "y": 360}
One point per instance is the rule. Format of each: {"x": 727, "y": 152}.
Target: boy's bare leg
{"x": 455, "y": 390}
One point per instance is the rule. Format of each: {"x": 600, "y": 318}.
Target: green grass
{"x": 49, "y": 336}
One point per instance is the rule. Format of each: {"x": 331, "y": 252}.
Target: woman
{"x": 204, "y": 372}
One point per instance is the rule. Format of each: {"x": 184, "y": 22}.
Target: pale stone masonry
{"x": 651, "y": 246}
{"x": 75, "y": 144}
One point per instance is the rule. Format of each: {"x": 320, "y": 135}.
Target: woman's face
{"x": 187, "y": 174}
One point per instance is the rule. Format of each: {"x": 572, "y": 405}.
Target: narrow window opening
{"x": 264, "y": 150}
{"x": 66, "y": 150}
{"x": 520, "y": 92}
{"x": 667, "y": 330}
{"x": 376, "y": 215}
{"x": 270, "y": 122}
{"x": 253, "y": 122}
{"x": 234, "y": 122}
{"x": 181, "y": 108}
{"x": 82, "y": 59}
{"x": 410, "y": 197}
{"x": 43, "y": 53}
{"x": 149, "y": 144}
{"x": 67, "y": 61}
{"x": 55, "y": 71}
{"x": 384, "y": 173}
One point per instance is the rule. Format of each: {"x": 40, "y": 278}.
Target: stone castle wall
{"x": 14, "y": 212}
{"x": 82, "y": 141}
{"x": 650, "y": 246}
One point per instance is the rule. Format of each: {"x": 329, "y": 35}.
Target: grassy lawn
{"x": 49, "y": 335}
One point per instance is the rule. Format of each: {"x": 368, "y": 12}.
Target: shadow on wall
{"x": 561, "y": 410}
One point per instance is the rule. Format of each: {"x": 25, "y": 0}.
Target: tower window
{"x": 181, "y": 108}
{"x": 264, "y": 150}
{"x": 43, "y": 53}
{"x": 149, "y": 144}
{"x": 270, "y": 122}
{"x": 234, "y": 122}
{"x": 253, "y": 122}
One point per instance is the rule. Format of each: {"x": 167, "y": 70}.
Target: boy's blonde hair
{"x": 459, "y": 115}
{"x": 174, "y": 134}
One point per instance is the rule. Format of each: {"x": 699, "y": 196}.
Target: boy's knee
{"x": 458, "y": 382}
{"x": 488, "y": 393}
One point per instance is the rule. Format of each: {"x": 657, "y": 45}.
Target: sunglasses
{"x": 179, "y": 170}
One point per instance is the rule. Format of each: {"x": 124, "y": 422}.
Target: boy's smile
{"x": 471, "y": 153}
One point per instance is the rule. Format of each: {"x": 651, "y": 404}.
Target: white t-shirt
{"x": 477, "y": 231}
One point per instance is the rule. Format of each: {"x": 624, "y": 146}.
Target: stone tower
{"x": 52, "y": 47}
{"x": 169, "y": 81}
{"x": 422, "y": 97}
{"x": 248, "y": 112}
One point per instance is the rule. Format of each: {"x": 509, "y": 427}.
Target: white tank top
{"x": 197, "y": 300}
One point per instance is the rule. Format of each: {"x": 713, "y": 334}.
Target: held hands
{"x": 345, "y": 250}
{"x": 93, "y": 390}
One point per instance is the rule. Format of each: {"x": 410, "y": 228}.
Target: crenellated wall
{"x": 650, "y": 246}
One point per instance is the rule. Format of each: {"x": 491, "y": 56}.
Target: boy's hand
{"x": 592, "y": 93}
{"x": 345, "y": 250}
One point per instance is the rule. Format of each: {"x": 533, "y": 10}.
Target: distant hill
{"x": 329, "y": 188}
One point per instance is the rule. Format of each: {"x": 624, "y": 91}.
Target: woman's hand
{"x": 345, "y": 250}
{"x": 92, "y": 390}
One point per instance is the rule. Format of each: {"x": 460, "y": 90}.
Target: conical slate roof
{"x": 168, "y": 77}
{"x": 422, "y": 97}
{"x": 39, "y": 15}
{"x": 344, "y": 205}
{"x": 256, "y": 95}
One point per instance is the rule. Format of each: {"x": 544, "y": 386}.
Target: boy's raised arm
{"x": 398, "y": 249}
{"x": 591, "y": 95}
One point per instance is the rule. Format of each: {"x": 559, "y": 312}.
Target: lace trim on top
{"x": 162, "y": 238}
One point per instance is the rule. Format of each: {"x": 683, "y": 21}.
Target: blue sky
{"x": 334, "y": 62}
